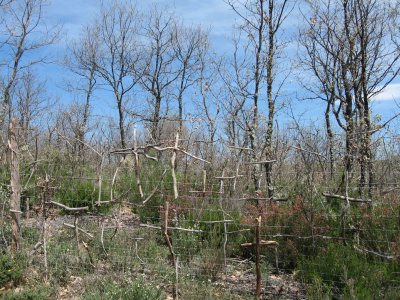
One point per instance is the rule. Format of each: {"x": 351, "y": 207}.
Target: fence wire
{"x": 318, "y": 244}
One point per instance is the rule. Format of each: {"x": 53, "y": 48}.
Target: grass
{"x": 125, "y": 289}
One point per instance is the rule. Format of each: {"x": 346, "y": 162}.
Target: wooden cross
{"x": 258, "y": 245}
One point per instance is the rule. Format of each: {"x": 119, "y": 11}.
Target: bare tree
{"x": 210, "y": 95}
{"x": 31, "y": 101}
{"x": 22, "y": 21}
{"x": 117, "y": 55}
{"x": 190, "y": 45}
{"x": 82, "y": 61}
{"x": 158, "y": 70}
{"x": 262, "y": 21}
{"x": 350, "y": 52}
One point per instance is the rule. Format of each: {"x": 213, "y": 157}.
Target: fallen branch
{"x": 69, "y": 208}
{"x": 180, "y": 150}
{"x": 216, "y": 222}
{"x": 237, "y": 231}
{"x": 171, "y": 228}
{"x": 323, "y": 237}
{"x": 346, "y": 198}
{"x": 385, "y": 256}
{"x": 263, "y": 162}
{"x": 262, "y": 243}
{"x": 35, "y": 248}
{"x": 204, "y": 192}
{"x": 264, "y": 199}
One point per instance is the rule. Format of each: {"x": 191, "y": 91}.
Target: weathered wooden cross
{"x": 258, "y": 244}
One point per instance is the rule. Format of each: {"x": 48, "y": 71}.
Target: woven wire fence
{"x": 311, "y": 243}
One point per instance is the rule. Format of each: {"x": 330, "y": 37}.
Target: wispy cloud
{"x": 390, "y": 93}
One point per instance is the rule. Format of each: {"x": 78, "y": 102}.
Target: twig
{"x": 80, "y": 229}
{"x": 89, "y": 252}
{"x": 173, "y": 165}
{"x": 240, "y": 148}
{"x": 137, "y": 166}
{"x": 69, "y": 208}
{"x": 308, "y": 151}
{"x": 155, "y": 189}
{"x": 102, "y": 238}
{"x": 113, "y": 183}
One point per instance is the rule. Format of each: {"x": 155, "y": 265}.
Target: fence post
{"x": 258, "y": 253}
{"x": 45, "y": 203}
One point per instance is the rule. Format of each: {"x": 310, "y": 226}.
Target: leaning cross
{"x": 258, "y": 245}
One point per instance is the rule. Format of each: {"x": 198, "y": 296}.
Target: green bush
{"x": 77, "y": 193}
{"x": 151, "y": 175}
{"x": 346, "y": 273}
{"x": 11, "y": 269}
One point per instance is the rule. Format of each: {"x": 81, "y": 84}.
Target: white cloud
{"x": 390, "y": 93}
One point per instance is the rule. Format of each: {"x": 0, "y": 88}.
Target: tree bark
{"x": 15, "y": 198}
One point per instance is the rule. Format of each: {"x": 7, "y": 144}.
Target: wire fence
{"x": 161, "y": 222}
{"x": 84, "y": 232}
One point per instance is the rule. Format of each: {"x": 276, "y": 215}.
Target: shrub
{"x": 11, "y": 269}
{"x": 77, "y": 193}
{"x": 36, "y": 293}
{"x": 349, "y": 274}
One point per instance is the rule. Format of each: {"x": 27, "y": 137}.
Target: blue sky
{"x": 214, "y": 15}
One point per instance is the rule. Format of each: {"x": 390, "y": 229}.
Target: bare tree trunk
{"x": 270, "y": 98}
{"x": 121, "y": 122}
{"x": 15, "y": 204}
{"x": 86, "y": 111}
{"x": 155, "y": 130}
{"x": 329, "y": 134}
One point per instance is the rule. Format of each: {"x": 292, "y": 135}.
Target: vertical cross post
{"x": 258, "y": 244}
